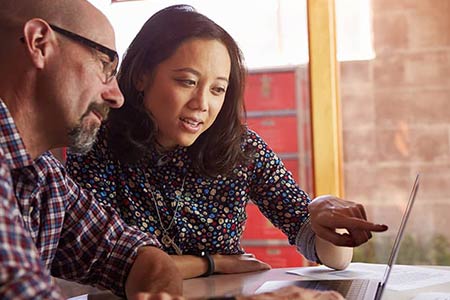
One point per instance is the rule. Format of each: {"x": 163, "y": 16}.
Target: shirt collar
{"x": 11, "y": 143}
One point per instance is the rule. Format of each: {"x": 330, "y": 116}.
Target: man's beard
{"x": 83, "y": 136}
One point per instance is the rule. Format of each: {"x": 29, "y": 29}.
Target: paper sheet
{"x": 81, "y": 297}
{"x": 432, "y": 296}
{"x": 402, "y": 277}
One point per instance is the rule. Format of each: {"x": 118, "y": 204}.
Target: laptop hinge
{"x": 379, "y": 291}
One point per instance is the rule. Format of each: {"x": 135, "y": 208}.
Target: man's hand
{"x": 294, "y": 293}
{"x": 228, "y": 264}
{"x": 329, "y": 213}
{"x": 286, "y": 293}
{"x": 153, "y": 272}
{"x": 158, "y": 296}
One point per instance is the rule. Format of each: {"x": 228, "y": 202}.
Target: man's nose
{"x": 113, "y": 95}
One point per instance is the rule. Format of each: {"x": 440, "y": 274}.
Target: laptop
{"x": 354, "y": 288}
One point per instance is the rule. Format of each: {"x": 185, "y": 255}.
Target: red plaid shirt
{"x": 49, "y": 225}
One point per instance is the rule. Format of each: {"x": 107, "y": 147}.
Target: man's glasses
{"x": 109, "y": 68}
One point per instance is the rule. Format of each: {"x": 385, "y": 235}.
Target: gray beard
{"x": 81, "y": 139}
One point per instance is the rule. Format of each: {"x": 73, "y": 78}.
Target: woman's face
{"x": 187, "y": 91}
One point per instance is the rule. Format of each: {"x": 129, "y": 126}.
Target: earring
{"x": 140, "y": 96}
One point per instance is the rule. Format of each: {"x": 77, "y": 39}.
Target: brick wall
{"x": 396, "y": 115}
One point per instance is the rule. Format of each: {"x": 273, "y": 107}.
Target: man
{"x": 57, "y": 68}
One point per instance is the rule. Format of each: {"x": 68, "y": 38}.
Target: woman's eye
{"x": 219, "y": 90}
{"x": 187, "y": 82}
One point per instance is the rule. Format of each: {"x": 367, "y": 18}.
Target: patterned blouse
{"x": 209, "y": 212}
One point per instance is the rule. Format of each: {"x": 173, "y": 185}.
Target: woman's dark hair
{"x": 132, "y": 130}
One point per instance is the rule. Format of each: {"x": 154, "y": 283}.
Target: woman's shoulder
{"x": 250, "y": 136}
{"x": 253, "y": 141}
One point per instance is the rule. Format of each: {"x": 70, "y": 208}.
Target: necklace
{"x": 166, "y": 239}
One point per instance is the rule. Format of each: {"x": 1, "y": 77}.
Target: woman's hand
{"x": 329, "y": 213}
{"x": 227, "y": 264}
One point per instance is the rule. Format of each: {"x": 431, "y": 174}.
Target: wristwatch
{"x": 210, "y": 260}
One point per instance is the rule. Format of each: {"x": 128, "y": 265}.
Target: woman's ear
{"x": 39, "y": 40}
{"x": 142, "y": 81}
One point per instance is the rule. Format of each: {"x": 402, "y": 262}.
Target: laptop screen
{"x": 398, "y": 238}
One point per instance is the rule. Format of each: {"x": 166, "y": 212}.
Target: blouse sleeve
{"x": 96, "y": 172}
{"x": 279, "y": 198}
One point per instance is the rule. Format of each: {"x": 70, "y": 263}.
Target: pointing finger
{"x": 351, "y": 223}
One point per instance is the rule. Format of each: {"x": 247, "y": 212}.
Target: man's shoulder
{"x": 49, "y": 160}
{"x": 4, "y": 168}
{"x": 49, "y": 167}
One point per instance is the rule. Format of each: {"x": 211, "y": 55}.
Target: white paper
{"x": 354, "y": 271}
{"x": 81, "y": 297}
{"x": 401, "y": 278}
{"x": 432, "y": 296}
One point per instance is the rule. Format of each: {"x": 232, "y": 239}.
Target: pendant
{"x": 166, "y": 240}
{"x": 169, "y": 242}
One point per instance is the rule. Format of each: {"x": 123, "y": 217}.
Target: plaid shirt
{"x": 49, "y": 225}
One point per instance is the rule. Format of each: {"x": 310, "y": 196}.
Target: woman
{"x": 177, "y": 160}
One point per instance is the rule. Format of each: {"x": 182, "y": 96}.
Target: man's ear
{"x": 39, "y": 40}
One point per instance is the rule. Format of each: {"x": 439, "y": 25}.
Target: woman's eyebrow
{"x": 188, "y": 69}
{"x": 197, "y": 73}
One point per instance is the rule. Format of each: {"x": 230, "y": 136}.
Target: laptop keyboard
{"x": 358, "y": 289}
{"x": 350, "y": 289}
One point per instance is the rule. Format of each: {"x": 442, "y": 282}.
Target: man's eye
{"x": 105, "y": 65}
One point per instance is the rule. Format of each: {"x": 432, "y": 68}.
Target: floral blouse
{"x": 164, "y": 195}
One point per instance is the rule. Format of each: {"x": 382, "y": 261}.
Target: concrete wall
{"x": 396, "y": 115}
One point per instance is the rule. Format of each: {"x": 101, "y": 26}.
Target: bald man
{"x": 57, "y": 67}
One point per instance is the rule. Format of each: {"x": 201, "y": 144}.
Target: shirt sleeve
{"x": 22, "y": 274}
{"x": 279, "y": 197}
{"x": 306, "y": 242}
{"x": 96, "y": 247}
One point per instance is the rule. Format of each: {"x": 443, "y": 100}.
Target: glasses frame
{"x": 112, "y": 54}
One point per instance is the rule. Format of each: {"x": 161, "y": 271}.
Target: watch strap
{"x": 210, "y": 260}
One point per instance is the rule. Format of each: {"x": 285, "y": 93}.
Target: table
{"x": 244, "y": 283}
{"x": 247, "y": 283}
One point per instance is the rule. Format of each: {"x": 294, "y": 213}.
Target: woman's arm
{"x": 288, "y": 207}
{"x": 192, "y": 266}
{"x": 279, "y": 198}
